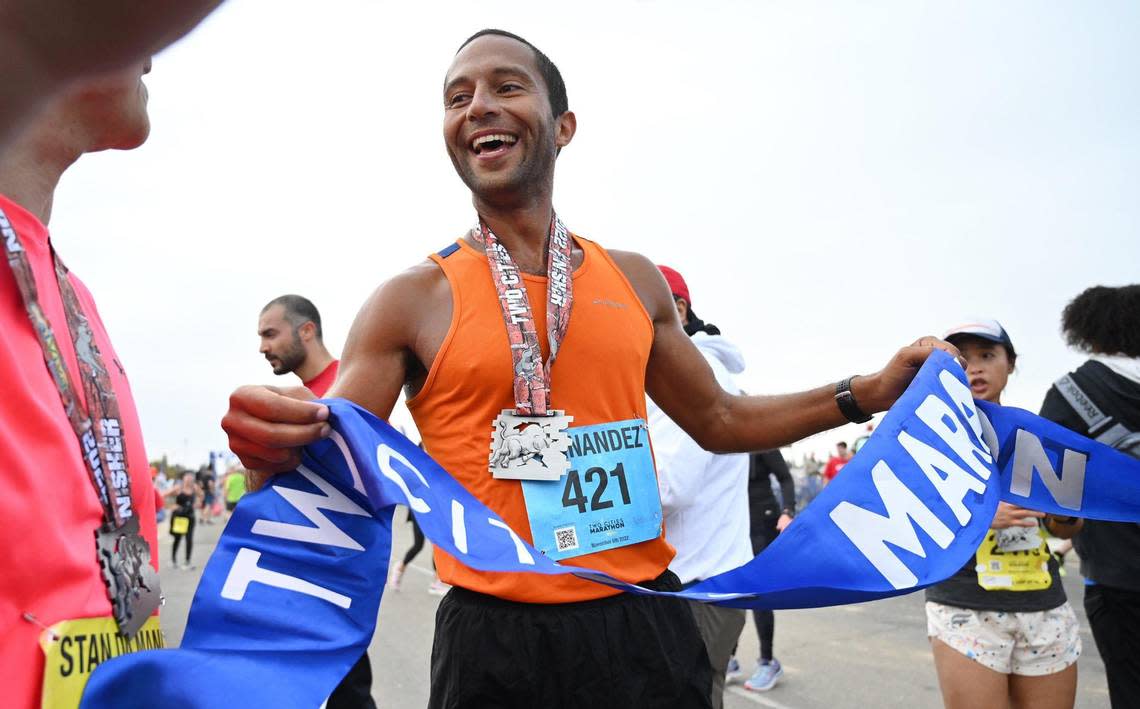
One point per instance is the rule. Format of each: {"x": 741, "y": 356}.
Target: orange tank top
{"x": 599, "y": 377}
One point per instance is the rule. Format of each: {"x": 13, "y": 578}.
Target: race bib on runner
{"x": 179, "y": 524}
{"x": 607, "y": 499}
{"x": 1014, "y": 559}
{"x": 74, "y": 648}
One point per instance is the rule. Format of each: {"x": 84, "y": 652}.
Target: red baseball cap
{"x": 677, "y": 284}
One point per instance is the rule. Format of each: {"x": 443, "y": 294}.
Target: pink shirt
{"x": 48, "y": 509}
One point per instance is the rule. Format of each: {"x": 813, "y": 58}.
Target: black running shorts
{"x": 624, "y": 651}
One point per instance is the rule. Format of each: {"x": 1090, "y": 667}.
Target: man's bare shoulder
{"x": 422, "y": 280}
{"x": 647, "y": 280}
{"x": 425, "y": 274}
{"x": 399, "y": 304}
{"x": 631, "y": 262}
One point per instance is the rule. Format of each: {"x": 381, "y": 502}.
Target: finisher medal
{"x": 132, "y": 582}
{"x": 123, "y": 555}
{"x": 530, "y": 447}
{"x": 529, "y": 442}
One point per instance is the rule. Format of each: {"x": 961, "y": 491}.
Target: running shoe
{"x": 767, "y": 674}
{"x": 438, "y": 588}
{"x": 734, "y": 672}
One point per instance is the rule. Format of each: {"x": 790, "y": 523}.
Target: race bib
{"x": 607, "y": 499}
{"x": 179, "y": 525}
{"x": 74, "y": 648}
{"x": 1014, "y": 559}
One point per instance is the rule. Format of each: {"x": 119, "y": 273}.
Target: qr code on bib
{"x": 566, "y": 538}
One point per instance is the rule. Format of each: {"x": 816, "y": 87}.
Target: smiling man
{"x": 520, "y": 327}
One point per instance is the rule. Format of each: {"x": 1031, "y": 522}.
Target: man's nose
{"x": 264, "y": 349}
{"x": 483, "y": 103}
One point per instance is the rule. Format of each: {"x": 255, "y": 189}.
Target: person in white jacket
{"x": 704, "y": 496}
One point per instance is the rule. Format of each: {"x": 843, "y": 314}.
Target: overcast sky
{"x": 832, "y": 179}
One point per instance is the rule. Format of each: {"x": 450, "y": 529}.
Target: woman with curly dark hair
{"x": 1104, "y": 321}
{"x": 1101, "y": 400}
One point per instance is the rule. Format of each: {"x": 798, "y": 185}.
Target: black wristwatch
{"x": 847, "y": 404}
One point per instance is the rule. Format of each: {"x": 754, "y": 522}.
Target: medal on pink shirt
{"x": 123, "y": 554}
{"x": 529, "y": 442}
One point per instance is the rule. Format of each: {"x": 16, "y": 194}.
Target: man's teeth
{"x": 499, "y": 137}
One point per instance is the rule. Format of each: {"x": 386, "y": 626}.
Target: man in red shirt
{"x": 56, "y": 617}
{"x": 836, "y": 463}
{"x": 292, "y": 341}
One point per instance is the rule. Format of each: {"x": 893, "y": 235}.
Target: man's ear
{"x": 564, "y": 132}
{"x": 682, "y": 309}
{"x": 307, "y": 331}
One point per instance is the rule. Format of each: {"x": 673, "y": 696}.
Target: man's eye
{"x": 458, "y": 99}
{"x": 506, "y": 88}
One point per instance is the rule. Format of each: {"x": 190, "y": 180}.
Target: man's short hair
{"x": 298, "y": 311}
{"x": 842, "y": 444}
{"x": 1104, "y": 320}
{"x": 555, "y": 86}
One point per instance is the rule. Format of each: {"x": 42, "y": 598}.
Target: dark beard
{"x": 291, "y": 358}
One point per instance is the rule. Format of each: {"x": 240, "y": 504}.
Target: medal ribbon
{"x": 532, "y": 378}
{"x": 97, "y": 426}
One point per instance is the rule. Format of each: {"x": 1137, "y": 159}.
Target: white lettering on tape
{"x": 458, "y": 527}
{"x": 1067, "y": 489}
{"x": 310, "y": 505}
{"x": 870, "y": 532}
{"x": 954, "y": 486}
{"x": 246, "y": 571}
{"x": 385, "y": 454}
{"x": 520, "y": 548}
{"x": 935, "y": 413}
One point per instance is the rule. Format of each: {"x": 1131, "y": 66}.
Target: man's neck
{"x": 522, "y": 230}
{"x": 316, "y": 362}
{"x": 30, "y": 170}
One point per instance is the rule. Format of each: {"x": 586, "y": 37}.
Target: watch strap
{"x": 845, "y": 400}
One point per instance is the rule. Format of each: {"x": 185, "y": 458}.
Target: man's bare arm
{"x": 375, "y": 363}
{"x": 683, "y": 385}
{"x": 267, "y": 426}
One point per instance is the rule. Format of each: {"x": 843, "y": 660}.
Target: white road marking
{"x": 755, "y": 697}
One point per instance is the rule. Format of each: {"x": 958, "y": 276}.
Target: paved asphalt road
{"x": 866, "y": 655}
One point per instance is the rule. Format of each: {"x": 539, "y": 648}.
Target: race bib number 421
{"x": 607, "y": 499}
